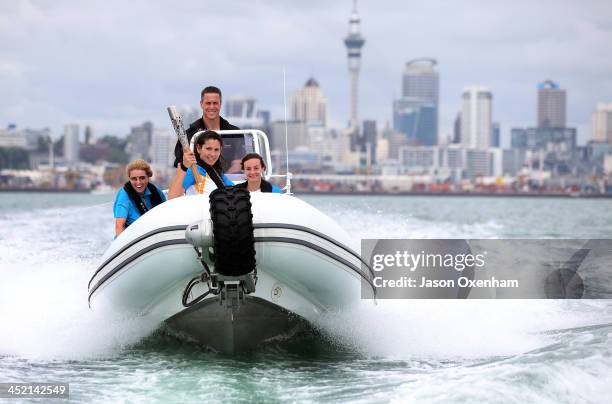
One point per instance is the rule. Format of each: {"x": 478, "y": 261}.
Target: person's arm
{"x": 119, "y": 225}
{"x": 176, "y": 188}
{"x": 176, "y": 185}
{"x": 121, "y": 210}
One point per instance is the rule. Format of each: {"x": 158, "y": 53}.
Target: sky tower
{"x": 354, "y": 41}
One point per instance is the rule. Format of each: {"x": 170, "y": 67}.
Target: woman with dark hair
{"x": 208, "y": 148}
{"x": 253, "y": 166}
{"x": 137, "y": 196}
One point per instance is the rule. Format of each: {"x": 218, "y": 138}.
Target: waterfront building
{"x": 549, "y": 139}
{"x": 309, "y": 104}
{"x": 457, "y": 162}
{"x": 296, "y": 131}
{"x": 416, "y": 112}
{"x": 369, "y": 140}
{"x": 71, "y": 144}
{"x": 11, "y": 137}
{"x": 457, "y": 129}
{"x": 139, "y": 141}
{"x": 162, "y": 148}
{"x": 242, "y": 112}
{"x": 189, "y": 114}
{"x": 495, "y": 135}
{"x": 601, "y": 123}
{"x": 551, "y": 105}
{"x": 476, "y": 117}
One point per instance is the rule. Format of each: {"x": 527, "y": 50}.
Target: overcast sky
{"x": 115, "y": 64}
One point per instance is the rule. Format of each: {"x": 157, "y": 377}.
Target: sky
{"x": 115, "y": 64}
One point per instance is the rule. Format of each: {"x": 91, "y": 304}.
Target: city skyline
{"x": 113, "y": 79}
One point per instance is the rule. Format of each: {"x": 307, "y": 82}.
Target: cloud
{"x": 117, "y": 64}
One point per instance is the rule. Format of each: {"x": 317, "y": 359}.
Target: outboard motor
{"x": 230, "y": 233}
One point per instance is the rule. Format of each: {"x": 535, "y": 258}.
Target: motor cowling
{"x": 200, "y": 233}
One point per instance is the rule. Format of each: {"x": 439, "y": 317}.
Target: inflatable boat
{"x": 232, "y": 270}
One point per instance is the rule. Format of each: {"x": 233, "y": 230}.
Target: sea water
{"x": 395, "y": 351}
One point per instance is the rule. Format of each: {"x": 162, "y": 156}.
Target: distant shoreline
{"x": 366, "y": 193}
{"x": 46, "y": 190}
{"x": 463, "y": 194}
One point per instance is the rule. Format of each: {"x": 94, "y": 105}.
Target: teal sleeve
{"x": 227, "y": 181}
{"x": 122, "y": 204}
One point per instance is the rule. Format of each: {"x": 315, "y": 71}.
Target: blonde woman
{"x": 137, "y": 196}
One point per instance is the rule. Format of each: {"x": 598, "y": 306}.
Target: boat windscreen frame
{"x": 259, "y": 142}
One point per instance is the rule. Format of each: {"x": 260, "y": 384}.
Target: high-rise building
{"x": 288, "y": 135}
{"x": 416, "y": 113}
{"x": 495, "y": 135}
{"x": 162, "y": 148}
{"x": 457, "y": 129}
{"x": 309, "y": 105}
{"x": 601, "y": 123}
{"x": 354, "y": 42}
{"x": 242, "y": 112}
{"x": 549, "y": 139}
{"x": 189, "y": 114}
{"x": 71, "y": 143}
{"x": 420, "y": 80}
{"x": 139, "y": 142}
{"x": 476, "y": 117}
{"x": 370, "y": 136}
{"x": 551, "y": 105}
{"x": 89, "y": 135}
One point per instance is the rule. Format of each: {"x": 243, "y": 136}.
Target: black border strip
{"x": 136, "y": 240}
{"x": 257, "y": 240}
{"x": 132, "y": 258}
{"x": 315, "y": 233}
{"x": 319, "y": 249}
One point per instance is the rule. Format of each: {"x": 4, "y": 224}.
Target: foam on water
{"x": 456, "y": 330}
{"x": 418, "y": 350}
{"x": 46, "y": 260}
{"x": 48, "y": 257}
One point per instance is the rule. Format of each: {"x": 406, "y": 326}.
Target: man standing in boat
{"x": 210, "y": 102}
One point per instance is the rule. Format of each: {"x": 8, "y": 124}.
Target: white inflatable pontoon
{"x": 166, "y": 266}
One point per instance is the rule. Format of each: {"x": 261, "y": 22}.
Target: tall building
{"x": 416, "y": 113}
{"x": 549, "y": 139}
{"x": 71, "y": 143}
{"x": 354, "y": 42}
{"x": 162, "y": 148}
{"x": 295, "y": 133}
{"x": 601, "y": 123}
{"x": 457, "y": 129}
{"x": 551, "y": 105}
{"x": 189, "y": 114}
{"x": 495, "y": 135}
{"x": 139, "y": 141}
{"x": 89, "y": 135}
{"x": 242, "y": 112}
{"x": 309, "y": 105}
{"x": 476, "y": 117}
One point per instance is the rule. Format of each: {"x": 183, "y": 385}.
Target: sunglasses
{"x": 142, "y": 178}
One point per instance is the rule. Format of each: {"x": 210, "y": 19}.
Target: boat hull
{"x": 306, "y": 265}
